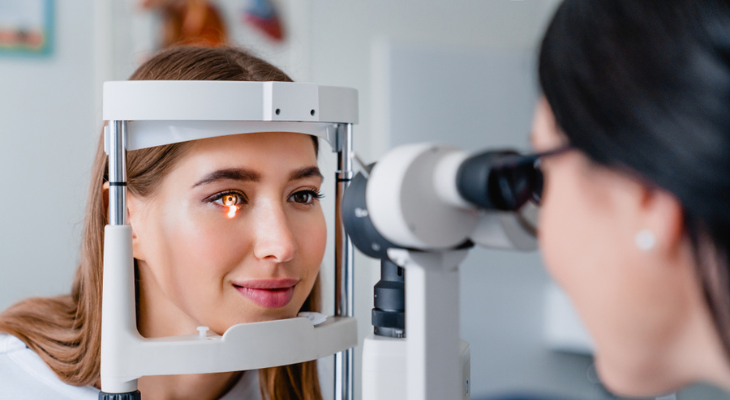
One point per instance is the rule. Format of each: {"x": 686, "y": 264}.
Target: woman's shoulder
{"x": 23, "y": 375}
{"x": 9, "y": 344}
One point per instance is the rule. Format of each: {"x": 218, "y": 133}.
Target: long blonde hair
{"x": 65, "y": 331}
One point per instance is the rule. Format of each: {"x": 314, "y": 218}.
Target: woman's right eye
{"x": 229, "y": 199}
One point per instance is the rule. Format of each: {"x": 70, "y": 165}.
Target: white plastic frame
{"x": 143, "y": 114}
{"x": 164, "y": 112}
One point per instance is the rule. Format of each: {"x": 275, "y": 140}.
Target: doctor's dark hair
{"x": 65, "y": 331}
{"x": 645, "y": 86}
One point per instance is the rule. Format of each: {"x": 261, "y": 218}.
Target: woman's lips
{"x": 270, "y": 293}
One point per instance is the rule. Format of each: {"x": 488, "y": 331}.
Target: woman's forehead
{"x": 263, "y": 145}
{"x": 258, "y": 140}
{"x": 271, "y": 154}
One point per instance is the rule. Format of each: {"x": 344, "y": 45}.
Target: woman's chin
{"x": 263, "y": 315}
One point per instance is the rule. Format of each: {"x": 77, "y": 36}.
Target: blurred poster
{"x": 262, "y": 14}
{"x": 26, "y": 26}
{"x": 191, "y": 22}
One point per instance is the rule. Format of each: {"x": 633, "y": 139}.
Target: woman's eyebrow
{"x": 305, "y": 172}
{"x": 235, "y": 174}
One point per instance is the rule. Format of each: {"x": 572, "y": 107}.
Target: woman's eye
{"x": 229, "y": 199}
{"x": 305, "y": 197}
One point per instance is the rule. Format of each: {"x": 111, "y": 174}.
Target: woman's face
{"x": 234, "y": 233}
{"x": 631, "y": 300}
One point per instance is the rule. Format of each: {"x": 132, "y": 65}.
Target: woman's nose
{"x": 274, "y": 238}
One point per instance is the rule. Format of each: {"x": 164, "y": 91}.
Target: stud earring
{"x": 645, "y": 240}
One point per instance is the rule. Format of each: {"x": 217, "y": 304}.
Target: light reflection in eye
{"x": 231, "y": 201}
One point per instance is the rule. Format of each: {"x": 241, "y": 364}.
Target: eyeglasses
{"x": 515, "y": 179}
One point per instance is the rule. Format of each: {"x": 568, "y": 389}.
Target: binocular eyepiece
{"x": 500, "y": 180}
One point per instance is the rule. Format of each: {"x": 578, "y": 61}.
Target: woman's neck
{"x": 184, "y": 387}
{"x": 707, "y": 358}
{"x": 699, "y": 355}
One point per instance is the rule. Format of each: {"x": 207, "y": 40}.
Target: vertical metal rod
{"x": 117, "y": 138}
{"x": 118, "y": 304}
{"x": 344, "y": 265}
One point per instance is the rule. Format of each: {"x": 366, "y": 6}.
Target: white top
{"x": 24, "y": 376}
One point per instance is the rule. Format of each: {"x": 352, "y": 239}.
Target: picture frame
{"x": 26, "y": 27}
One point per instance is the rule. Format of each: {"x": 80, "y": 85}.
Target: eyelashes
{"x": 306, "y": 196}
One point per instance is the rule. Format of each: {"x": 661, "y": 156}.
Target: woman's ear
{"x": 132, "y": 204}
{"x": 105, "y": 198}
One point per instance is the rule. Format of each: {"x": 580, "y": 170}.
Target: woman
{"x": 635, "y": 220}
{"x": 225, "y": 231}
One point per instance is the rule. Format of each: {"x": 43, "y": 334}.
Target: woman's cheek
{"x": 212, "y": 239}
{"x": 551, "y": 233}
{"x": 550, "y": 247}
{"x": 207, "y": 247}
{"x": 311, "y": 232}
{"x": 319, "y": 239}
{"x": 312, "y": 239}
{"x": 567, "y": 235}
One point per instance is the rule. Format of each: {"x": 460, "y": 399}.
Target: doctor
{"x": 635, "y": 220}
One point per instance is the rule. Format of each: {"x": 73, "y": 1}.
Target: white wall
{"x": 47, "y": 137}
